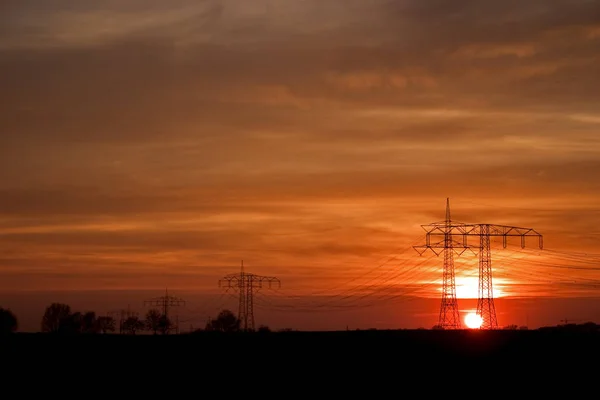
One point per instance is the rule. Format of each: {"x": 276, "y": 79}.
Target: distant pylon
{"x": 122, "y": 315}
{"x": 246, "y": 284}
{"x": 165, "y": 303}
{"x": 449, "y": 317}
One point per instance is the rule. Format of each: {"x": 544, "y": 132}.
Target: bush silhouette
{"x": 8, "y": 321}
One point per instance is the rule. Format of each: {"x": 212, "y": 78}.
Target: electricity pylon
{"x": 165, "y": 303}
{"x": 449, "y": 317}
{"x": 485, "y": 298}
{"x": 246, "y": 284}
{"x": 122, "y": 315}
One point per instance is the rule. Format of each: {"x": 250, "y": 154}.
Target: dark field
{"x": 499, "y": 345}
{"x": 330, "y": 362}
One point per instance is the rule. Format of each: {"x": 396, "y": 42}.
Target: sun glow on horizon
{"x": 473, "y": 320}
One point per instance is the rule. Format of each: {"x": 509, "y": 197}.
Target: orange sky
{"x": 147, "y": 145}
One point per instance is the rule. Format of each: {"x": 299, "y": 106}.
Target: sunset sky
{"x": 150, "y": 144}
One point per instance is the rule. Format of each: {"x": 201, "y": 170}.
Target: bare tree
{"x": 73, "y": 323}
{"x": 106, "y": 324}
{"x": 55, "y": 317}
{"x": 89, "y": 323}
{"x": 132, "y": 325}
{"x": 226, "y": 321}
{"x": 153, "y": 321}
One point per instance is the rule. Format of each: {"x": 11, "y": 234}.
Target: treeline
{"x": 60, "y": 319}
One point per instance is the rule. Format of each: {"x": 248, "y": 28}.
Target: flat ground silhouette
{"x": 509, "y": 345}
{"x": 323, "y": 363}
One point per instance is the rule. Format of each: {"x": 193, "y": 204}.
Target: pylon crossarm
{"x": 471, "y": 230}
{"x": 422, "y": 249}
{"x": 491, "y": 230}
{"x": 503, "y": 230}
{"x": 227, "y": 284}
{"x": 437, "y": 248}
{"x": 232, "y": 277}
{"x": 459, "y": 251}
{"x": 437, "y": 228}
{"x": 453, "y": 228}
{"x": 268, "y": 279}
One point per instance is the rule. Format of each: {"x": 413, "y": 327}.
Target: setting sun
{"x": 473, "y": 321}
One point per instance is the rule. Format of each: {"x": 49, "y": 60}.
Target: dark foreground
{"x": 322, "y": 356}
{"x": 498, "y": 345}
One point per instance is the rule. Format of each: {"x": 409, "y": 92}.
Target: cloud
{"x": 324, "y": 130}
{"x": 86, "y": 23}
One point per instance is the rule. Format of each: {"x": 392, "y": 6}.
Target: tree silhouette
{"x": 105, "y": 324}
{"x": 590, "y": 327}
{"x": 73, "y": 323}
{"x": 153, "y": 320}
{"x": 89, "y": 323}
{"x": 132, "y": 325}
{"x": 56, "y": 316}
{"x": 226, "y": 321}
{"x": 8, "y": 321}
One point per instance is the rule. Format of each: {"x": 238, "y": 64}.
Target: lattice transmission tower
{"x": 247, "y": 284}
{"x": 449, "y": 317}
{"x": 165, "y": 303}
{"x": 483, "y": 232}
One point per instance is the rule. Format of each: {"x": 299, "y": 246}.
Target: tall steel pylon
{"x": 483, "y": 232}
{"x": 449, "y": 317}
{"x": 246, "y": 284}
{"x": 485, "y": 290}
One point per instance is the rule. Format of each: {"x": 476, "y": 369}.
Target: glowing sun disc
{"x": 473, "y": 321}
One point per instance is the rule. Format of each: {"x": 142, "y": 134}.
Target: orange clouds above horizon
{"x": 146, "y": 144}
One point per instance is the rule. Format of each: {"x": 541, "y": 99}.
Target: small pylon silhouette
{"x": 247, "y": 284}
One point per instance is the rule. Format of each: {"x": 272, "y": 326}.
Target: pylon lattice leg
{"x": 485, "y": 302}
{"x": 250, "y": 305}
{"x": 242, "y": 315}
{"x": 449, "y": 317}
